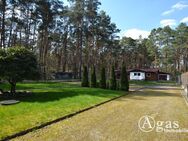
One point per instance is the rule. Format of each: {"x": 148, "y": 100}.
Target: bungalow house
{"x": 146, "y": 74}
{"x": 63, "y": 75}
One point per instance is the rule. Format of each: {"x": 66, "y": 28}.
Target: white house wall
{"x": 168, "y": 77}
{"x": 141, "y": 77}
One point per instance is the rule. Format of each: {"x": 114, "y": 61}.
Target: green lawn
{"x": 118, "y": 119}
{"x": 49, "y": 101}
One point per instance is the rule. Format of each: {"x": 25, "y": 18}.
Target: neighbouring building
{"x": 146, "y": 74}
{"x": 63, "y": 75}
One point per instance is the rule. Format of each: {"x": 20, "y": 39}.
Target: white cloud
{"x": 135, "y": 33}
{"x": 170, "y": 22}
{"x": 184, "y": 20}
{"x": 178, "y": 6}
{"x": 168, "y": 12}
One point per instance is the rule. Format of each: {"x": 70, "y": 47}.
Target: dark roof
{"x": 63, "y": 73}
{"x": 163, "y": 73}
{"x": 144, "y": 70}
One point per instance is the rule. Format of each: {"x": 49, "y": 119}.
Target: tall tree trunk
{"x": 13, "y": 86}
{"x": 80, "y": 69}
{"x": 65, "y": 52}
{"x": 41, "y": 52}
{"x": 45, "y": 52}
{"x": 59, "y": 59}
{"x": 11, "y": 26}
{"x": 20, "y": 36}
{"x": 78, "y": 54}
{"x": 3, "y": 24}
{"x": 34, "y": 33}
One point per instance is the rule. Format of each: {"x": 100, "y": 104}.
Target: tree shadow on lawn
{"x": 68, "y": 93}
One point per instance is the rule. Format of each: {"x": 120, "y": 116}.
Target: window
{"x": 148, "y": 74}
{"x": 137, "y": 74}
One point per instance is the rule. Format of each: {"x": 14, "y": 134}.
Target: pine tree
{"x": 93, "y": 78}
{"x": 85, "y": 82}
{"x": 113, "y": 83}
{"x": 124, "y": 79}
{"x": 103, "y": 79}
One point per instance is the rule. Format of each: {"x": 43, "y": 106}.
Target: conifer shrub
{"x": 85, "y": 81}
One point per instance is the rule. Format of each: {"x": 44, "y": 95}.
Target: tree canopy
{"x": 66, "y": 37}
{"x": 17, "y": 64}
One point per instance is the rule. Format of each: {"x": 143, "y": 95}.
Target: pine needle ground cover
{"x": 48, "y": 102}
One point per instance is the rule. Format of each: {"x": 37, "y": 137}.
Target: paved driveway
{"x": 118, "y": 120}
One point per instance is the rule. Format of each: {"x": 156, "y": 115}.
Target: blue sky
{"x": 135, "y": 17}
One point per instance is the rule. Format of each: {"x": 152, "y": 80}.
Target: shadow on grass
{"x": 54, "y": 91}
{"x": 49, "y": 96}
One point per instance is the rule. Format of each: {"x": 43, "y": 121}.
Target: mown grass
{"x": 118, "y": 120}
{"x": 48, "y": 101}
